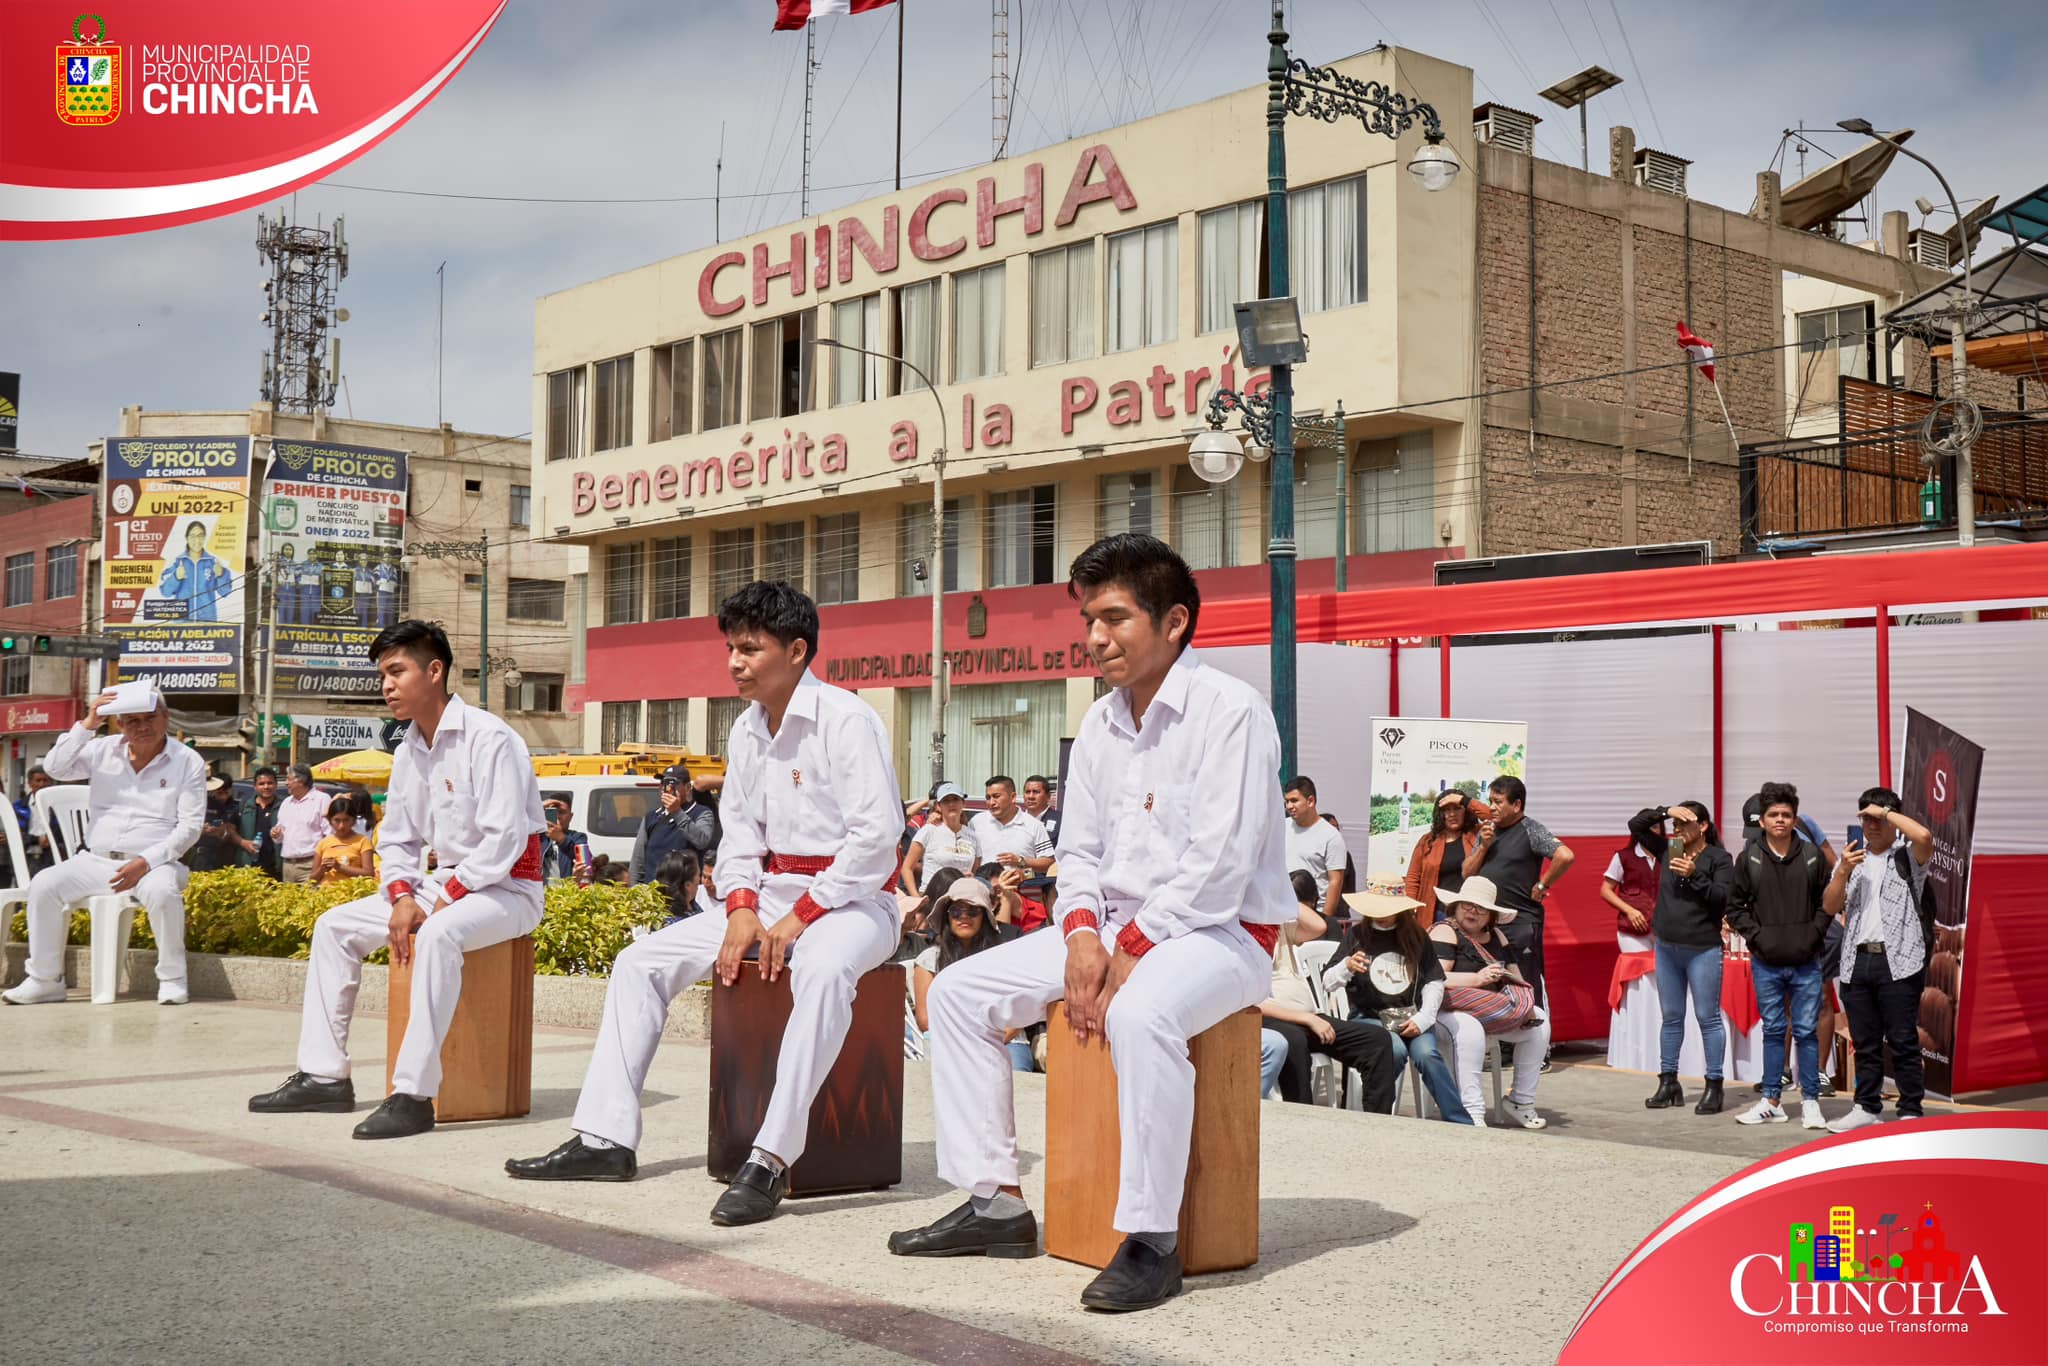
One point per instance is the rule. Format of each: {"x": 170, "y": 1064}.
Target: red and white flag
{"x": 21, "y": 486}
{"x": 1701, "y": 351}
{"x": 797, "y": 13}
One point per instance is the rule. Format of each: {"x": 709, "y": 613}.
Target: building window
{"x": 60, "y": 572}
{"x": 536, "y": 692}
{"x": 1233, "y": 263}
{"x": 835, "y": 559}
{"x": 474, "y": 488}
{"x": 1144, "y": 287}
{"x": 978, "y": 322}
{"x": 666, "y": 721}
{"x": 1326, "y": 244}
{"x": 779, "y": 374}
{"x": 472, "y": 581}
{"x": 21, "y": 579}
{"x": 614, "y": 425}
{"x": 914, "y": 540}
{"x": 671, "y": 576}
{"x": 1393, "y": 494}
{"x": 917, "y": 333}
{"x": 1843, "y": 331}
{"x": 1126, "y": 504}
{"x": 14, "y": 676}
{"x": 536, "y": 599}
{"x": 782, "y": 552}
{"x": 856, "y": 378}
{"x": 721, "y": 379}
{"x": 1202, "y": 520}
{"x": 565, "y": 414}
{"x": 618, "y": 724}
{"x": 522, "y": 505}
{"x": 1063, "y": 304}
{"x": 671, "y": 392}
{"x": 623, "y": 566}
{"x": 732, "y": 562}
{"x": 1021, "y": 539}
{"x": 723, "y": 715}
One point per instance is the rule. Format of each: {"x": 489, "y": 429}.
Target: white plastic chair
{"x": 17, "y": 856}
{"x": 1329, "y": 1085}
{"x": 63, "y": 810}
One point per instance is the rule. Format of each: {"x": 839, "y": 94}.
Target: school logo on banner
{"x": 88, "y": 75}
{"x": 1918, "y": 1242}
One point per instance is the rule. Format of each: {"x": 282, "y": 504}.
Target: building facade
{"x": 46, "y": 544}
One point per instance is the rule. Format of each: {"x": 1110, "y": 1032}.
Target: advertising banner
{"x": 342, "y": 732}
{"x": 176, "y": 556}
{"x": 1415, "y": 759}
{"x": 1938, "y": 785}
{"x": 10, "y": 409}
{"x": 337, "y": 528}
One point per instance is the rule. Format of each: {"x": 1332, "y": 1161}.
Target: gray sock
{"x": 1161, "y": 1243}
{"x": 593, "y": 1141}
{"x": 1001, "y": 1205}
{"x": 768, "y": 1160}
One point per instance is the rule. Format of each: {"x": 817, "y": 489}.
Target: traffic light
{"x": 7, "y": 644}
{"x": 42, "y": 645}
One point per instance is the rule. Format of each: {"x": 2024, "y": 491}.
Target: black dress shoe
{"x": 963, "y": 1233}
{"x": 576, "y": 1161}
{"x": 300, "y": 1094}
{"x": 1136, "y": 1278}
{"x": 752, "y": 1196}
{"x": 400, "y": 1116}
{"x": 1710, "y": 1099}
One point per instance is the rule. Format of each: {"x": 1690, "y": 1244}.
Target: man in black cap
{"x": 680, "y": 822}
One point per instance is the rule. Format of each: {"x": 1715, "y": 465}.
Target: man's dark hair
{"x": 1511, "y": 789}
{"x": 35, "y": 770}
{"x": 423, "y": 640}
{"x": 1002, "y": 778}
{"x": 264, "y": 772}
{"x": 1878, "y": 796}
{"x": 1301, "y": 783}
{"x": 1777, "y": 794}
{"x": 1147, "y": 567}
{"x": 1040, "y": 779}
{"x": 774, "y": 609}
{"x": 1304, "y": 887}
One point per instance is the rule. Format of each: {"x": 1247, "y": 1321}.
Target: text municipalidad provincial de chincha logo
{"x": 88, "y": 75}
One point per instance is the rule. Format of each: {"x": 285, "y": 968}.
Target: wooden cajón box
{"x": 487, "y": 1058}
{"x": 855, "y": 1140}
{"x": 1219, "y": 1215}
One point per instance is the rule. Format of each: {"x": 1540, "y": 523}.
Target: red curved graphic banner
{"x": 145, "y": 116}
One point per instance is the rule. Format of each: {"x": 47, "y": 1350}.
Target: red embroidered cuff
{"x": 398, "y": 887}
{"x": 453, "y": 889}
{"x": 742, "y": 899}
{"x": 808, "y": 910}
{"x": 1133, "y": 941}
{"x": 1073, "y": 921}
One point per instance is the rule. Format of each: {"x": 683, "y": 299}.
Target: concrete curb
{"x": 558, "y": 1002}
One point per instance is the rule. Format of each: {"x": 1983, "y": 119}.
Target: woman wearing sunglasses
{"x": 963, "y": 923}
{"x": 1695, "y": 876}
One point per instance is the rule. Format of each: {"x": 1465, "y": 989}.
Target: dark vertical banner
{"x": 10, "y": 410}
{"x": 337, "y": 532}
{"x": 1939, "y": 786}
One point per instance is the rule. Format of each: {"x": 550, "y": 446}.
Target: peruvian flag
{"x": 21, "y": 486}
{"x": 1699, "y": 349}
{"x": 797, "y": 13}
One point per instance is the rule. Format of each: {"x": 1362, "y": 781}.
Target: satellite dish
{"x": 341, "y": 315}
{"x": 1837, "y": 185}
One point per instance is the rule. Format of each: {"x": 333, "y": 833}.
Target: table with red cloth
{"x": 1637, "y": 1017}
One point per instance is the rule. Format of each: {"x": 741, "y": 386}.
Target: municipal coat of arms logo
{"x": 88, "y": 75}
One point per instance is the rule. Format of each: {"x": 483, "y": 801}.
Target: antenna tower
{"x": 307, "y": 266}
{"x": 999, "y": 77}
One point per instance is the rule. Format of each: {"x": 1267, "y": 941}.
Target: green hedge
{"x": 240, "y": 911}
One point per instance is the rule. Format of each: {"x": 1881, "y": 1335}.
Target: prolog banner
{"x": 175, "y": 557}
{"x": 146, "y": 116}
{"x": 337, "y": 529}
{"x": 1938, "y": 784}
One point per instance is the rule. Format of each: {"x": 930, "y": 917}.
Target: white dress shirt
{"x": 1180, "y": 820}
{"x": 1316, "y": 848}
{"x": 301, "y": 823}
{"x": 821, "y": 787}
{"x": 155, "y": 814}
{"x": 948, "y": 848}
{"x": 1023, "y": 835}
{"x": 472, "y": 796}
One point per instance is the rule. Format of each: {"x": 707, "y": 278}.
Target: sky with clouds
{"x": 629, "y": 99}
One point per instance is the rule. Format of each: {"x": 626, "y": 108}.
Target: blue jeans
{"x": 1430, "y": 1066}
{"x": 1272, "y": 1057}
{"x": 1683, "y": 967}
{"x": 1802, "y": 986}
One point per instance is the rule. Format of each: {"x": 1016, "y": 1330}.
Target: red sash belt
{"x": 800, "y": 865}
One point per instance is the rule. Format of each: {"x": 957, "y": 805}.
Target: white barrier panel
{"x": 1801, "y": 708}
{"x": 1986, "y": 680}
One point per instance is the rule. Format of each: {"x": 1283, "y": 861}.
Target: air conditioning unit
{"x": 1930, "y": 248}
{"x": 1511, "y": 129}
{"x": 1661, "y": 171}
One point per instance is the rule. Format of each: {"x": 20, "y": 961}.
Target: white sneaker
{"x": 1810, "y": 1116}
{"x": 1765, "y": 1111}
{"x": 34, "y": 993}
{"x": 172, "y": 994}
{"x": 1515, "y": 1114}
{"x": 1857, "y": 1118}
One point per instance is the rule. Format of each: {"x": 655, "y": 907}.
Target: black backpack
{"x": 1902, "y": 858}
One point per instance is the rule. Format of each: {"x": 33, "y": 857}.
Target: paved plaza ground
{"x": 151, "y": 1218}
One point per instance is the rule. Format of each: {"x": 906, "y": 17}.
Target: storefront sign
{"x": 337, "y": 527}
{"x": 1938, "y": 784}
{"x": 342, "y": 732}
{"x": 1415, "y": 759}
{"x": 43, "y": 714}
{"x": 176, "y": 555}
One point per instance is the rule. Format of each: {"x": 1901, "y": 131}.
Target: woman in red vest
{"x": 1630, "y": 887}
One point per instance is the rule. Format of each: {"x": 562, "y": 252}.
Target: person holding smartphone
{"x": 1692, "y": 896}
{"x": 1876, "y": 889}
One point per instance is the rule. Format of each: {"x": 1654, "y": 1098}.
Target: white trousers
{"x": 1468, "y": 1058}
{"x": 54, "y": 891}
{"x": 1179, "y": 989}
{"x": 344, "y": 936}
{"x": 825, "y": 966}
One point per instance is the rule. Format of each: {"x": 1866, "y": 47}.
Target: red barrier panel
{"x": 2003, "y": 1039}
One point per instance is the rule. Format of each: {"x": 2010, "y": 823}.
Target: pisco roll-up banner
{"x": 1415, "y": 759}
{"x": 176, "y": 557}
{"x": 337, "y": 527}
{"x": 1938, "y": 785}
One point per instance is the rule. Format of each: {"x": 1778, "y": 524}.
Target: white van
{"x": 609, "y": 808}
